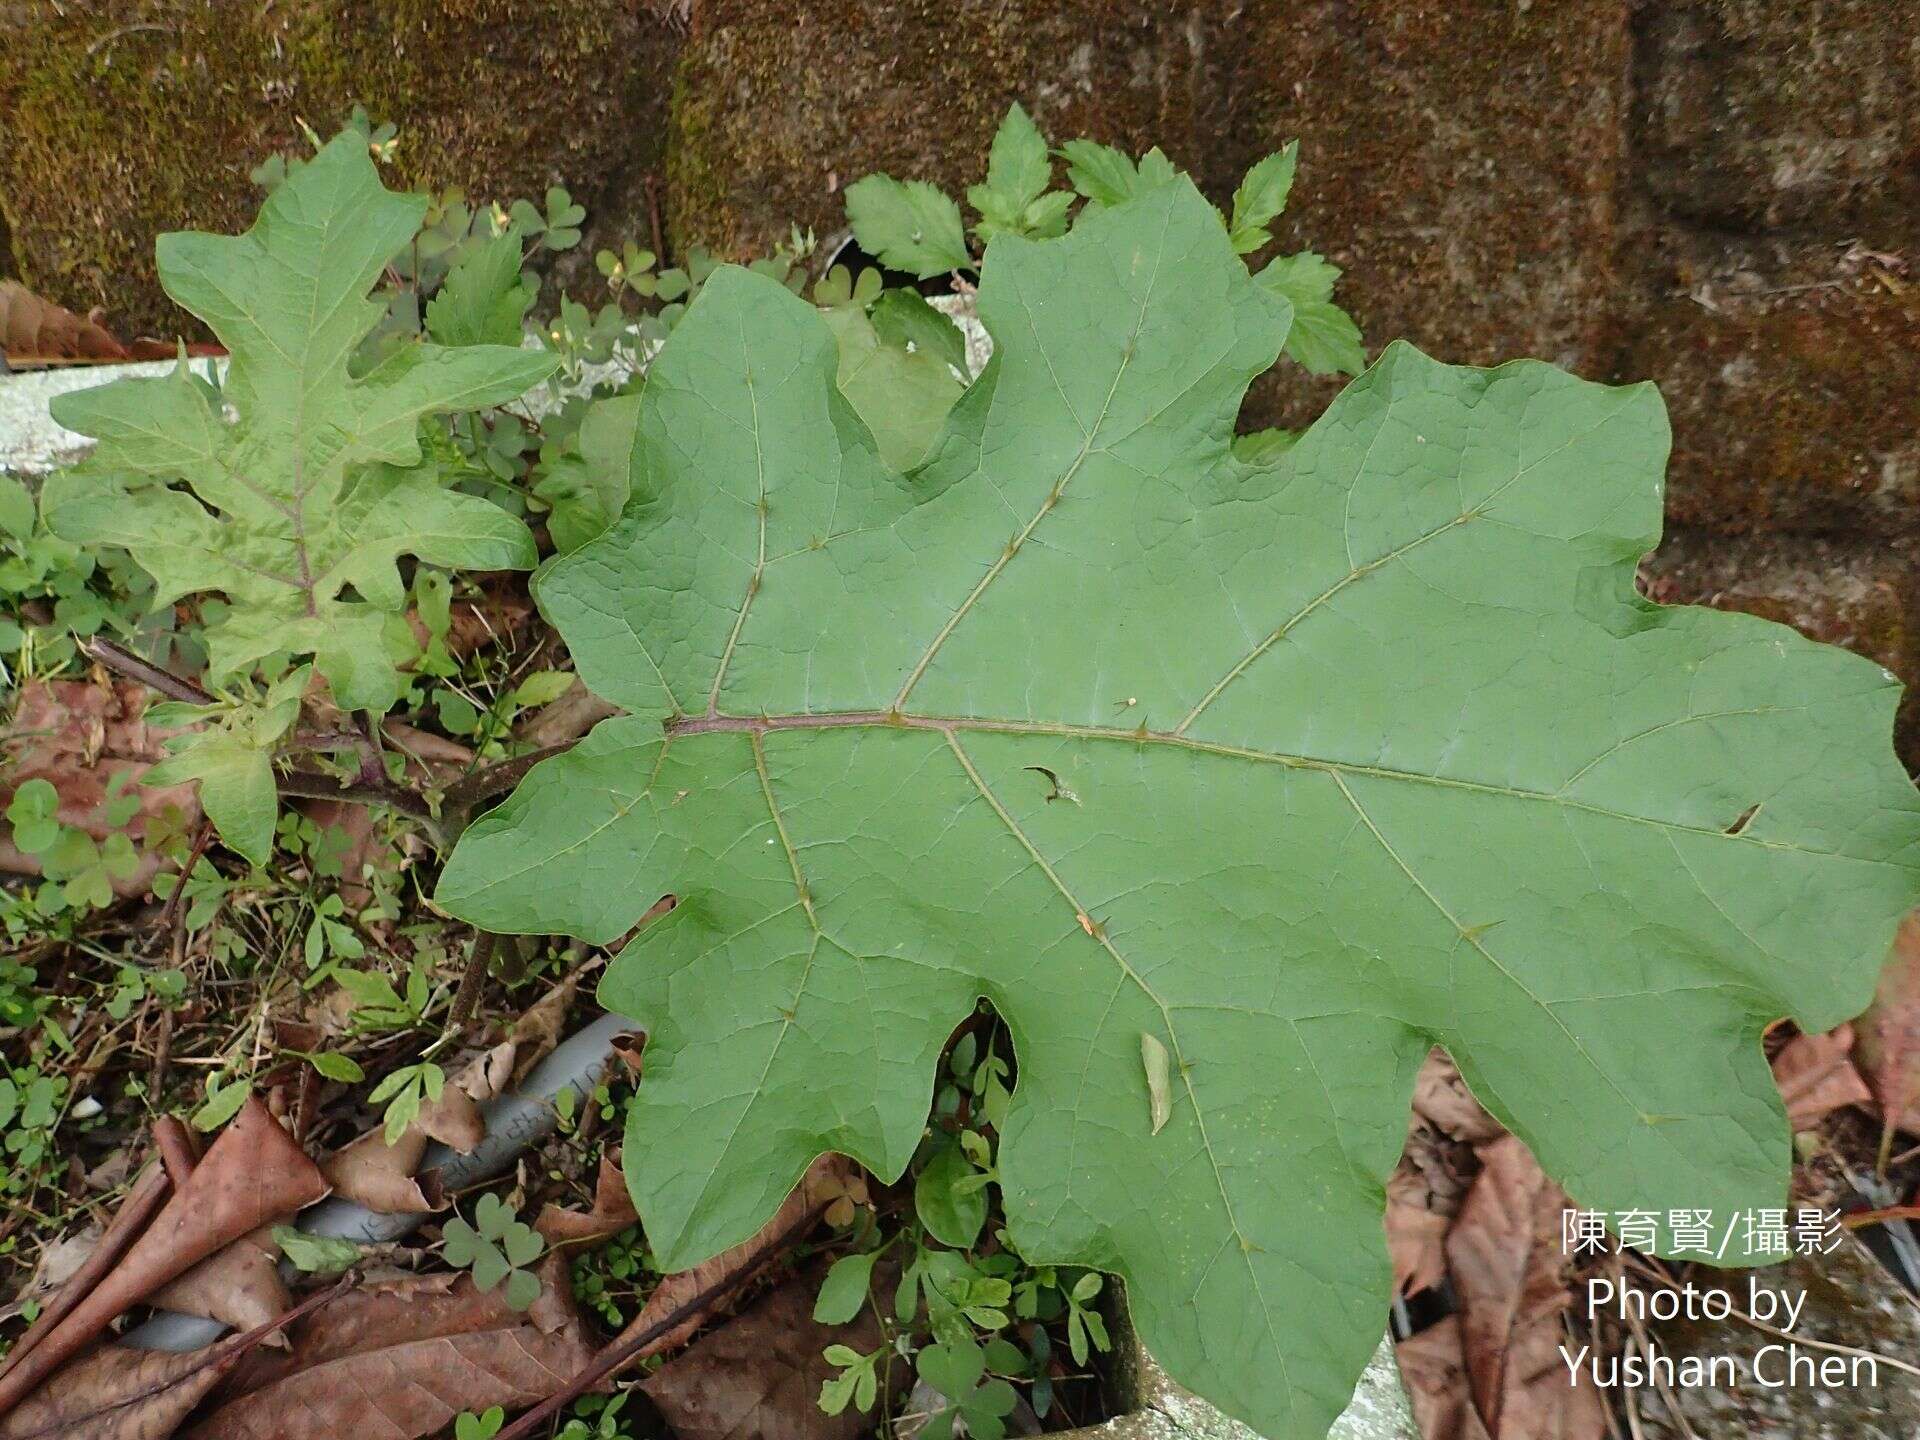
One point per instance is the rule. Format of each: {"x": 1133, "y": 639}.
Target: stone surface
{"x": 1150, "y": 1406}
{"x": 780, "y": 103}
{"x": 1459, "y": 159}
{"x": 30, "y": 442}
{"x": 1781, "y": 112}
{"x": 120, "y": 119}
{"x": 1851, "y": 1301}
{"x": 1792, "y": 374}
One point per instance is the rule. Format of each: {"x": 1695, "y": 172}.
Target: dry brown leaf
{"x": 612, "y": 1209}
{"x": 63, "y": 1259}
{"x": 629, "y": 1048}
{"x": 425, "y": 751}
{"x": 568, "y": 718}
{"x": 415, "y": 1387}
{"x": 239, "y": 1285}
{"x": 542, "y": 1023}
{"x": 454, "y": 1119}
{"x": 1504, "y": 1256}
{"x": 117, "y": 1394}
{"x": 1434, "y": 1368}
{"x": 252, "y": 1173}
{"x": 489, "y": 1073}
{"x": 179, "y": 1151}
{"x": 1415, "y": 1231}
{"x": 533, "y": 1036}
{"x": 120, "y": 1394}
{"x": 828, "y": 1178}
{"x": 387, "y": 1178}
{"x": 1426, "y": 1188}
{"x": 1441, "y": 1098}
{"x": 1816, "y": 1076}
{"x": 141, "y": 1203}
{"x": 381, "y": 1177}
{"x": 34, "y": 331}
{"x": 381, "y": 1314}
{"x": 758, "y": 1376}
{"x": 405, "y": 1391}
{"x": 1887, "y": 1036}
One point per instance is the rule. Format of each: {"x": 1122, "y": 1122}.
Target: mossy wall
{"x": 122, "y": 119}
{"x": 1720, "y": 195}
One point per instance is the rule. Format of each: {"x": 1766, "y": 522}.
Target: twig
{"x": 653, "y": 217}
{"x": 173, "y": 1142}
{"x": 621, "y": 1351}
{"x": 119, "y": 658}
{"x": 1860, "y": 1219}
{"x": 171, "y": 916}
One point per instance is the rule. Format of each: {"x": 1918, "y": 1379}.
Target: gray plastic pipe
{"x": 516, "y": 1122}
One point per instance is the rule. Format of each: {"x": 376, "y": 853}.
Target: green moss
{"x": 119, "y": 126}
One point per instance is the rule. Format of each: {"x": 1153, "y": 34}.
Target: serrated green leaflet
{"x": 305, "y": 503}
{"x": 1294, "y": 768}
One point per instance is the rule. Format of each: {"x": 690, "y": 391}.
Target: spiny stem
{"x": 123, "y": 661}
{"x": 467, "y": 998}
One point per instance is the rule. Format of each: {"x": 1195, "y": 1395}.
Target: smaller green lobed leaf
{"x": 460, "y": 1243}
{"x": 484, "y": 299}
{"x": 522, "y": 1245}
{"x": 523, "y": 1289}
{"x": 1324, "y": 339}
{"x": 223, "y": 1102}
{"x": 489, "y": 1265}
{"x": 16, "y": 508}
{"x": 903, "y": 396}
{"x": 299, "y": 511}
{"x": 903, "y": 318}
{"x": 316, "y": 1254}
{"x": 953, "y": 1368}
{"x": 237, "y": 788}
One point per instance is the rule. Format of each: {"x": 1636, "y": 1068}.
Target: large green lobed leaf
{"x": 300, "y": 508}
{"x": 1295, "y": 769}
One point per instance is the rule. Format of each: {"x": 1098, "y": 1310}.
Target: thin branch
{"x": 621, "y": 1351}
{"x": 122, "y": 660}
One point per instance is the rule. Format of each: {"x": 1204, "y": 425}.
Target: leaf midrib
{"x": 680, "y": 727}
